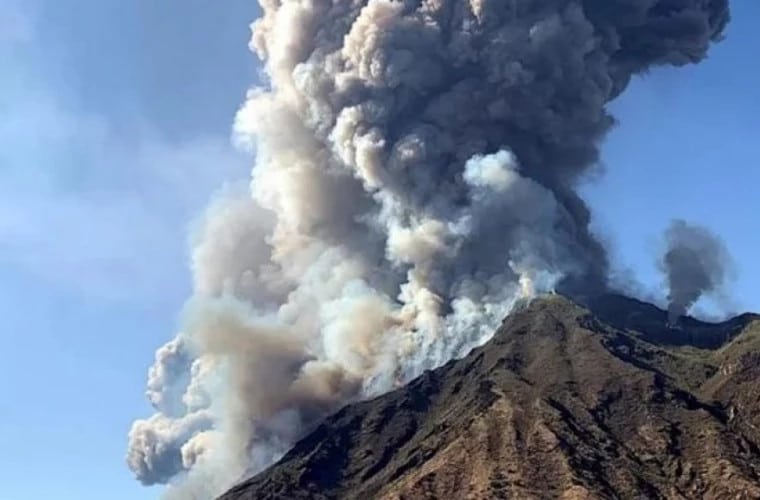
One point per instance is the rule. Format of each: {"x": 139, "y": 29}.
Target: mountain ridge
{"x": 604, "y": 400}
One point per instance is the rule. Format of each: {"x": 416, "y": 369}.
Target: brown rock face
{"x": 562, "y": 403}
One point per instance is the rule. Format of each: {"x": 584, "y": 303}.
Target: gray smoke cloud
{"x": 415, "y": 175}
{"x": 695, "y": 263}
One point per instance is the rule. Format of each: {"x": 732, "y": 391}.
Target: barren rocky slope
{"x": 563, "y": 402}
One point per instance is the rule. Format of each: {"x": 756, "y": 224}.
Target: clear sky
{"x": 115, "y": 118}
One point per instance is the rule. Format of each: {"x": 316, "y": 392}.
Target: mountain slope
{"x": 561, "y": 403}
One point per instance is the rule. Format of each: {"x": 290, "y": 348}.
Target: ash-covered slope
{"x": 561, "y": 403}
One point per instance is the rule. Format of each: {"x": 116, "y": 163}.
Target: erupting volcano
{"x": 416, "y": 165}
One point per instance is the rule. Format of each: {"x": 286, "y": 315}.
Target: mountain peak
{"x": 600, "y": 400}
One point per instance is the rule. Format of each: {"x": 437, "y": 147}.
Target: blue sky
{"x": 115, "y": 124}
{"x": 688, "y": 146}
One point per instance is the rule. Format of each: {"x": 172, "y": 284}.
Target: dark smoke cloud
{"x": 435, "y": 82}
{"x": 695, "y": 263}
{"x": 416, "y": 165}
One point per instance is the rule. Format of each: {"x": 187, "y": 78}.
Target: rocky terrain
{"x": 566, "y": 401}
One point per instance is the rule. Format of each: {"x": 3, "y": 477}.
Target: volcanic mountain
{"x": 602, "y": 400}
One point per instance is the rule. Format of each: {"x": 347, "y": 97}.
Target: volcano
{"x": 575, "y": 401}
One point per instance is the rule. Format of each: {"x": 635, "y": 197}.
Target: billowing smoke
{"x": 695, "y": 263}
{"x": 415, "y": 171}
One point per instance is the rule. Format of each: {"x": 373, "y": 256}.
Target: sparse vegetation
{"x": 604, "y": 401}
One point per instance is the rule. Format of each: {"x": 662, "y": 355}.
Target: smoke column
{"x": 695, "y": 263}
{"x": 415, "y": 170}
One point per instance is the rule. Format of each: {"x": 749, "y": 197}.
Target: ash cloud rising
{"x": 415, "y": 176}
{"x": 695, "y": 263}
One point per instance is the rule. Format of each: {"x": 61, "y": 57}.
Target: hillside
{"x": 563, "y": 402}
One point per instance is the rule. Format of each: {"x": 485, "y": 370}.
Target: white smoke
{"x": 286, "y": 326}
{"x": 413, "y": 180}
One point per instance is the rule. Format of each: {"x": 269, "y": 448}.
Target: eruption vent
{"x": 415, "y": 171}
{"x": 695, "y": 264}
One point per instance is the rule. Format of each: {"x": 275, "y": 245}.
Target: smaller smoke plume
{"x": 695, "y": 263}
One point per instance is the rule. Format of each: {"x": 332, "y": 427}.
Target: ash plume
{"x": 415, "y": 175}
{"x": 695, "y": 263}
